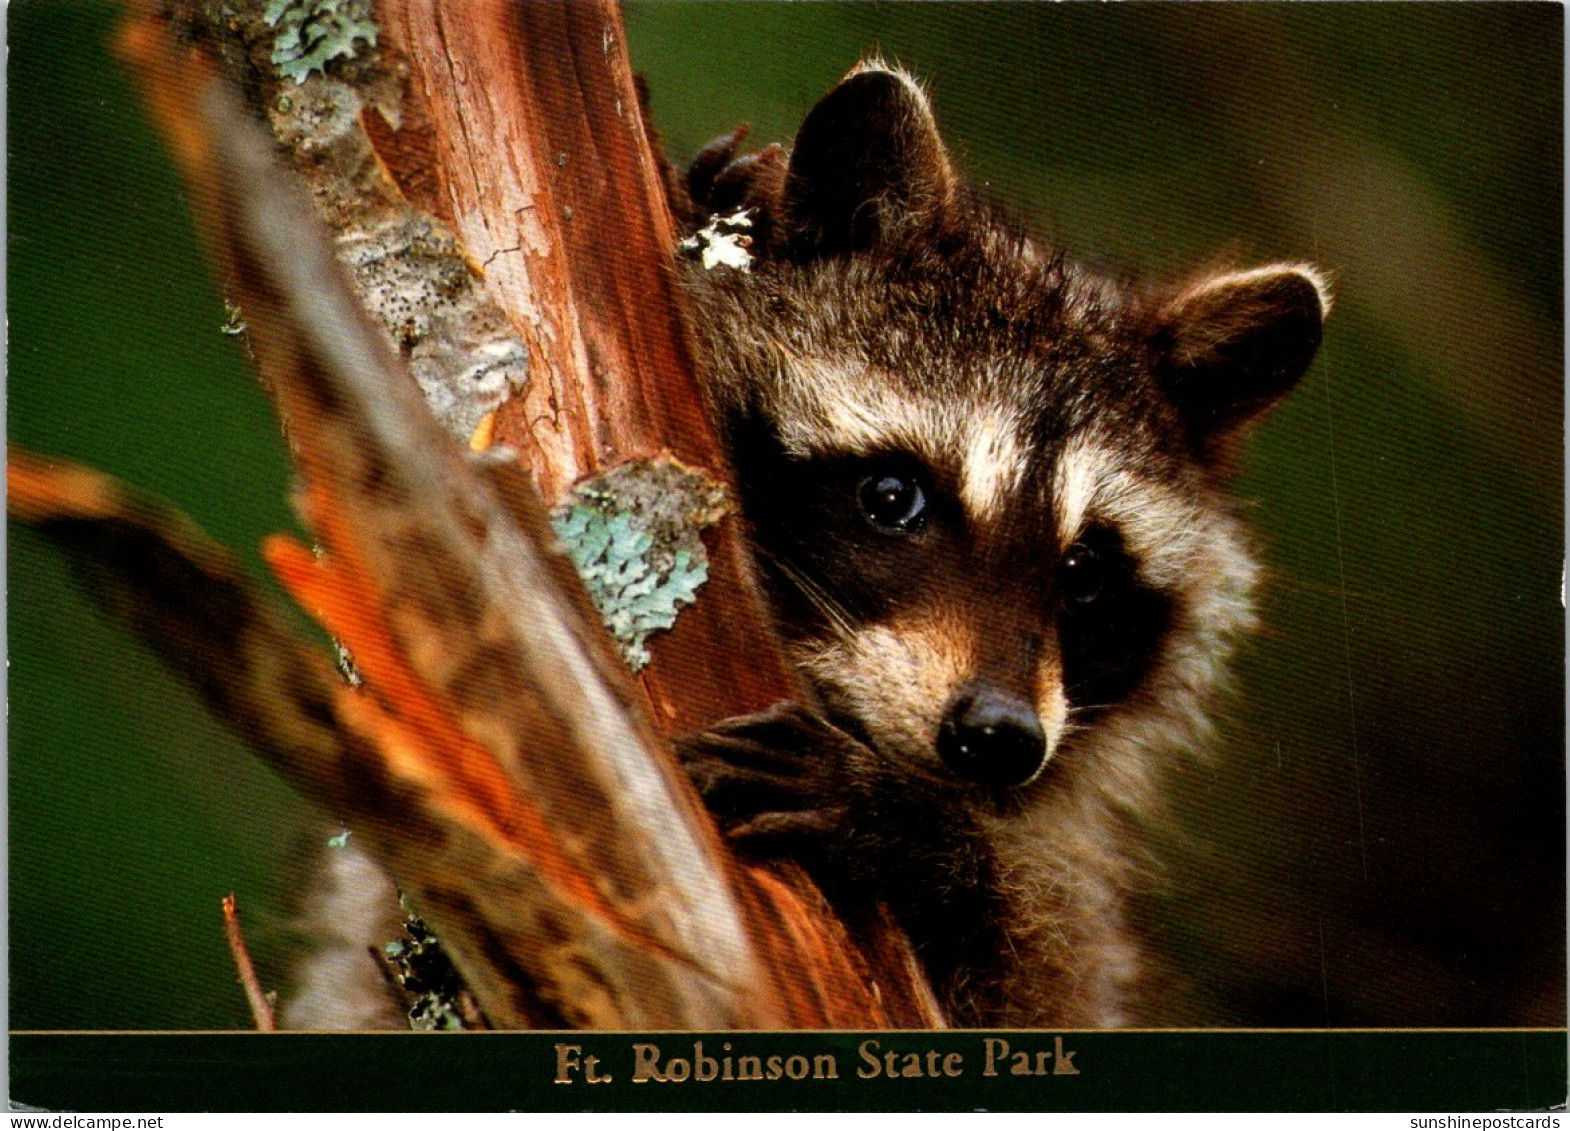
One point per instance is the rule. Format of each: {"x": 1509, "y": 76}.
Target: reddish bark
{"x": 507, "y": 816}
{"x": 531, "y": 122}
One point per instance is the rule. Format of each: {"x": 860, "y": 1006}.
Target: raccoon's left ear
{"x": 1230, "y": 346}
{"x": 867, "y": 163}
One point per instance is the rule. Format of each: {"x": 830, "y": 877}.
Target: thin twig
{"x": 261, "y": 1007}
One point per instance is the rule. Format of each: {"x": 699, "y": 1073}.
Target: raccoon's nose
{"x": 992, "y": 736}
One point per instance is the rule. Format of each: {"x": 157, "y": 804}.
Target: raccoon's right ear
{"x": 867, "y": 162}
{"x": 1231, "y": 345}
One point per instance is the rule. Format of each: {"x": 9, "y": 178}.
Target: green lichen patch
{"x": 634, "y": 535}
{"x": 312, "y": 33}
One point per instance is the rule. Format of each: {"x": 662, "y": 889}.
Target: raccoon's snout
{"x": 993, "y": 737}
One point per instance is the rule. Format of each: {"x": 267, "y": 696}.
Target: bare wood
{"x": 528, "y": 182}
{"x": 261, "y": 1007}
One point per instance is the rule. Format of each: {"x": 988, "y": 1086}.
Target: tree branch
{"x": 497, "y": 759}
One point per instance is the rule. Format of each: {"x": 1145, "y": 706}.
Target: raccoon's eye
{"x": 894, "y": 503}
{"x": 1083, "y": 574}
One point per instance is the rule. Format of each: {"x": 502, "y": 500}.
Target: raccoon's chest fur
{"x": 988, "y": 493}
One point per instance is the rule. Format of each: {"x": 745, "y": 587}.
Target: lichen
{"x": 633, "y": 534}
{"x": 234, "y": 324}
{"x": 462, "y": 351}
{"x": 725, "y": 241}
{"x": 423, "y": 969}
{"x": 408, "y": 267}
{"x": 312, "y": 33}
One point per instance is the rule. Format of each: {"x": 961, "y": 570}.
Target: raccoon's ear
{"x": 1230, "y": 346}
{"x": 867, "y": 162}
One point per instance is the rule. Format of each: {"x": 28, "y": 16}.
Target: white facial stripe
{"x": 994, "y": 463}
{"x": 1080, "y": 469}
{"x": 1163, "y": 531}
{"x": 839, "y": 409}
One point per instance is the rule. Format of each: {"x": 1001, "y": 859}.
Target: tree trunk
{"x": 492, "y": 194}
{"x": 536, "y": 151}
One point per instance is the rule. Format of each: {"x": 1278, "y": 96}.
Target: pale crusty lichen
{"x": 461, "y": 351}
{"x": 725, "y": 241}
{"x": 407, "y": 266}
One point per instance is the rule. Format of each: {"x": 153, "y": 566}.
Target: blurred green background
{"x": 1382, "y": 839}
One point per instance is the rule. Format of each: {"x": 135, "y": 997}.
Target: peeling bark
{"x": 497, "y": 758}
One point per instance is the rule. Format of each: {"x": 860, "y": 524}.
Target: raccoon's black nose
{"x": 992, "y": 736}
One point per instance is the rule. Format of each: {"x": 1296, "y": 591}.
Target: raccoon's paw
{"x": 719, "y": 182}
{"x": 778, "y": 782}
{"x": 711, "y": 161}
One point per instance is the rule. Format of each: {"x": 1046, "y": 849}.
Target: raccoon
{"x": 989, "y": 496}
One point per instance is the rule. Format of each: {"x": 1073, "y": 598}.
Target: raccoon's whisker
{"x": 815, "y": 593}
{"x": 819, "y": 597}
{"x": 1085, "y": 708}
{"x": 1073, "y": 689}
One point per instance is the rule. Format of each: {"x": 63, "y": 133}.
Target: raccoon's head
{"x": 988, "y": 489}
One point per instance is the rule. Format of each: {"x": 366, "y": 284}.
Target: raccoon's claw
{"x": 754, "y": 801}
{"x": 710, "y": 162}
{"x": 785, "y": 828}
{"x": 773, "y": 778}
{"x": 719, "y": 182}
